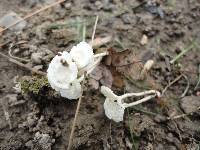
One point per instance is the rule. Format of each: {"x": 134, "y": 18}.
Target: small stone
{"x": 37, "y": 58}
{"x": 68, "y": 5}
{"x": 26, "y": 53}
{"x": 38, "y": 67}
{"x": 190, "y": 103}
{"x": 99, "y": 4}
{"x": 144, "y": 40}
{"x": 93, "y": 83}
{"x": 11, "y": 18}
{"x": 16, "y": 51}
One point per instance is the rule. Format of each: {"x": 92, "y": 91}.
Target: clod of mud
{"x": 190, "y": 103}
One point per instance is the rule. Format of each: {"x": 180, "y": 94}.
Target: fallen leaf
{"x": 117, "y": 78}
{"x": 127, "y": 64}
{"x": 119, "y": 59}
{"x": 101, "y": 74}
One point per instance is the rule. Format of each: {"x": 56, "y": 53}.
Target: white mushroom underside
{"x": 113, "y": 110}
{"x": 73, "y": 92}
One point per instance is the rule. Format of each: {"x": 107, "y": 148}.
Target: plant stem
{"x": 183, "y": 52}
{"x": 139, "y": 101}
{"x": 94, "y": 30}
{"x": 75, "y": 119}
{"x": 198, "y": 82}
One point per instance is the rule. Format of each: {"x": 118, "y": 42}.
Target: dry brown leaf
{"x": 126, "y": 63}
{"x": 101, "y": 74}
{"x": 123, "y": 58}
{"x": 117, "y": 78}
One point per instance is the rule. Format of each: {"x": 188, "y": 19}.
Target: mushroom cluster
{"x": 114, "y": 105}
{"x": 66, "y": 70}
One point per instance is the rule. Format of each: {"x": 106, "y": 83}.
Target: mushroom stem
{"x": 140, "y": 94}
{"x": 139, "y": 101}
{"x": 125, "y": 105}
{"x": 101, "y": 54}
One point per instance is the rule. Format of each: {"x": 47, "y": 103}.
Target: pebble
{"x": 37, "y": 58}
{"x": 38, "y": 67}
{"x": 9, "y": 19}
{"x": 144, "y": 40}
{"x": 190, "y": 103}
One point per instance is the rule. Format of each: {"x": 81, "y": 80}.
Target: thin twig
{"x": 15, "y": 57}
{"x": 183, "y": 115}
{"x": 84, "y": 31}
{"x": 171, "y": 83}
{"x": 187, "y": 88}
{"x": 136, "y": 108}
{"x": 75, "y": 119}
{"x": 32, "y": 14}
{"x": 131, "y": 130}
{"x": 94, "y": 29}
{"x": 22, "y": 65}
{"x": 80, "y": 99}
{"x": 6, "y": 114}
{"x": 198, "y": 82}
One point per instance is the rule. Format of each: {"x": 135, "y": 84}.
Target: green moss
{"x": 33, "y": 84}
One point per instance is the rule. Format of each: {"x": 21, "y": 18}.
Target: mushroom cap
{"x": 62, "y": 71}
{"x": 107, "y": 92}
{"x": 73, "y": 92}
{"x": 113, "y": 110}
{"x": 82, "y": 54}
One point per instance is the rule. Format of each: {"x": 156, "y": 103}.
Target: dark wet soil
{"x": 42, "y": 119}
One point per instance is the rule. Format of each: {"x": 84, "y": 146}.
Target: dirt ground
{"x": 39, "y": 118}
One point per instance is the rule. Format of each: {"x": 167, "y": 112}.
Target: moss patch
{"x": 34, "y": 84}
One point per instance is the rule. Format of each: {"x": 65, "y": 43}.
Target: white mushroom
{"x": 82, "y": 54}
{"x": 65, "y": 67}
{"x": 62, "y": 71}
{"x": 113, "y": 110}
{"x": 74, "y": 91}
{"x": 114, "y": 105}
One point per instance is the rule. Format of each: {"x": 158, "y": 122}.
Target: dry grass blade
{"x": 75, "y": 119}
{"x": 171, "y": 83}
{"x": 80, "y": 99}
{"x": 198, "y": 82}
{"x": 94, "y": 30}
{"x": 193, "y": 45}
{"x": 183, "y": 115}
{"x": 187, "y": 87}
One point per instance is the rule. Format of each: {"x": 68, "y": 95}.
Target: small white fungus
{"x": 62, "y": 72}
{"x": 111, "y": 105}
{"x": 113, "y": 110}
{"x": 64, "y": 69}
{"x": 114, "y": 105}
{"x": 73, "y": 92}
{"x": 82, "y": 54}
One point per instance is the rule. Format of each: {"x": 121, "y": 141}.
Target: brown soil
{"x": 43, "y": 121}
